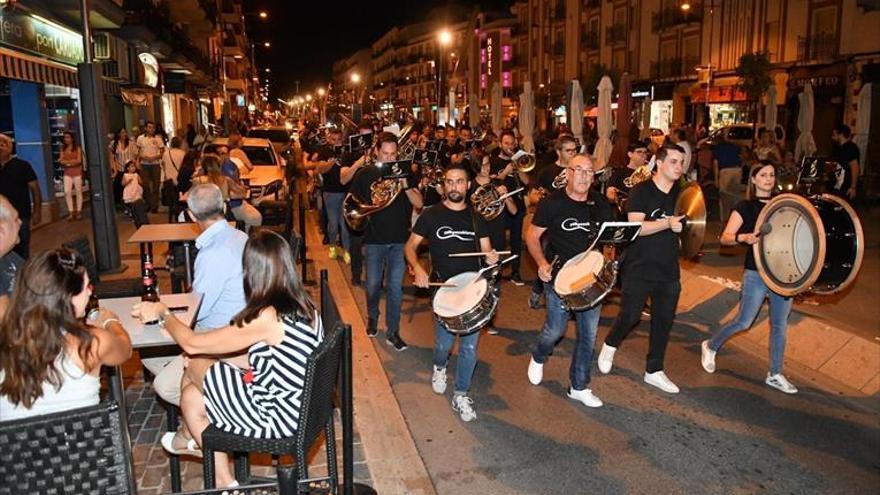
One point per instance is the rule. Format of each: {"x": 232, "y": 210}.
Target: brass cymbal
{"x": 692, "y": 204}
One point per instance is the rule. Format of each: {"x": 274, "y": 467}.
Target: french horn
{"x": 640, "y": 174}
{"x": 383, "y": 192}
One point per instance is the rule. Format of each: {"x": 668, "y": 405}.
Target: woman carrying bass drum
{"x": 741, "y": 229}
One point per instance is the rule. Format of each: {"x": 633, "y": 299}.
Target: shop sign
{"x": 718, "y": 94}
{"x": 41, "y": 37}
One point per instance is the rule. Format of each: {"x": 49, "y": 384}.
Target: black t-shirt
{"x": 389, "y": 225}
{"x": 571, "y": 225}
{"x": 511, "y": 182}
{"x": 652, "y": 257}
{"x": 10, "y": 265}
{"x": 843, "y": 155}
{"x": 14, "y": 179}
{"x": 618, "y": 175}
{"x": 449, "y": 231}
{"x": 749, "y": 210}
{"x": 330, "y": 179}
{"x": 548, "y": 175}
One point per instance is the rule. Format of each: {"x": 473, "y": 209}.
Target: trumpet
{"x": 525, "y": 163}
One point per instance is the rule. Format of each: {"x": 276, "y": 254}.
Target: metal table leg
{"x": 188, "y": 268}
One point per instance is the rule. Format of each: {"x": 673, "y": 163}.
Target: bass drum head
{"x": 790, "y": 257}
{"x": 450, "y": 302}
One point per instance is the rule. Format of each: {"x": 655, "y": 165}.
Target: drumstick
{"x": 475, "y": 253}
{"x": 505, "y": 196}
{"x": 441, "y": 284}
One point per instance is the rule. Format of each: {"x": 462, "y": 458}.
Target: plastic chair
{"x": 316, "y": 414}
{"x": 84, "y": 451}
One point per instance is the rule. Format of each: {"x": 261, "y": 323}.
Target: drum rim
{"x": 859, "y": 240}
{"x": 811, "y": 277}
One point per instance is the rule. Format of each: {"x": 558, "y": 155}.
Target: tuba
{"x": 383, "y": 192}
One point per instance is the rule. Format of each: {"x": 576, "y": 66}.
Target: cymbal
{"x": 692, "y": 204}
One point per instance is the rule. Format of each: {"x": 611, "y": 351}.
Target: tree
{"x": 754, "y": 80}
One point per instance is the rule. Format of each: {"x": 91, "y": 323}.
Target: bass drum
{"x": 813, "y": 244}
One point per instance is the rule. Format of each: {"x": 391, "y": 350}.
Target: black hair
{"x": 665, "y": 149}
{"x": 844, "y": 130}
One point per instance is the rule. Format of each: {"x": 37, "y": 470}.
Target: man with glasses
{"x": 505, "y": 170}
{"x": 548, "y": 180}
{"x": 616, "y": 190}
{"x": 570, "y": 218}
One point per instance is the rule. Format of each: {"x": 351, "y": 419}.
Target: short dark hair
{"x": 507, "y": 132}
{"x": 635, "y": 145}
{"x": 563, "y": 140}
{"x": 465, "y": 128}
{"x": 385, "y": 137}
{"x": 458, "y": 166}
{"x": 844, "y": 130}
{"x": 681, "y": 134}
{"x": 665, "y": 149}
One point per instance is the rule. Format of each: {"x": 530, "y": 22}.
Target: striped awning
{"x": 15, "y": 65}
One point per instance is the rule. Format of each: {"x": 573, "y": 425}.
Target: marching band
{"x": 467, "y": 193}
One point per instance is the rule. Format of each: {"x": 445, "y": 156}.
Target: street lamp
{"x": 263, "y": 14}
{"x": 355, "y": 78}
{"x": 267, "y": 44}
{"x": 444, "y": 39}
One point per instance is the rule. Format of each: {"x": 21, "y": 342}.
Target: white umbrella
{"x": 770, "y": 111}
{"x": 645, "y": 127}
{"x": 576, "y": 111}
{"x": 805, "y": 145}
{"x": 527, "y": 117}
{"x": 495, "y": 105}
{"x": 603, "y": 148}
{"x": 863, "y": 124}
{"x": 474, "y": 110}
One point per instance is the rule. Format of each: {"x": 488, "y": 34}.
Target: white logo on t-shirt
{"x": 571, "y": 224}
{"x": 446, "y": 232}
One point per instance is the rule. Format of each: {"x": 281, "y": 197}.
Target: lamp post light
{"x": 444, "y": 39}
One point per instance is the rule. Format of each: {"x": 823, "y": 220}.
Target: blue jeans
{"x": 586, "y": 322}
{"x": 385, "y": 259}
{"x": 335, "y": 227}
{"x": 754, "y": 290}
{"x": 467, "y": 354}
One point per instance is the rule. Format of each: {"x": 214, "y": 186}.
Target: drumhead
{"x": 579, "y": 272}
{"x": 790, "y": 257}
{"x": 453, "y": 301}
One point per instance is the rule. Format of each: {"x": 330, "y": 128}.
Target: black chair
{"x": 316, "y": 414}
{"x": 83, "y": 451}
{"x": 296, "y": 245}
{"x": 125, "y": 287}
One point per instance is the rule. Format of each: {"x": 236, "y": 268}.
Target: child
{"x": 133, "y": 194}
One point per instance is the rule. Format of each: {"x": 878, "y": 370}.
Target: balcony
{"x": 674, "y": 67}
{"x": 671, "y": 17}
{"x": 616, "y": 34}
{"x": 151, "y": 26}
{"x": 590, "y": 41}
{"x": 558, "y": 49}
{"x": 821, "y": 46}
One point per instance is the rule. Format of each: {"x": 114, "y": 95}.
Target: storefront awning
{"x": 26, "y": 68}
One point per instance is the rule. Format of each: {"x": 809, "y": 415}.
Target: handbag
{"x": 169, "y": 196}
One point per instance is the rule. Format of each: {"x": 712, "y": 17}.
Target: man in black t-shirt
{"x": 327, "y": 163}
{"x": 503, "y": 167}
{"x": 616, "y": 190}
{"x": 10, "y": 261}
{"x": 846, "y": 172}
{"x": 548, "y": 179}
{"x": 384, "y": 236}
{"x": 352, "y": 163}
{"x": 18, "y": 183}
{"x": 649, "y": 267}
{"x": 451, "y": 227}
{"x": 571, "y": 218}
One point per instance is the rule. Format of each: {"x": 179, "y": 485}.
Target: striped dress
{"x": 264, "y": 403}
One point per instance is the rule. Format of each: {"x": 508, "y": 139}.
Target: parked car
{"x": 741, "y": 134}
{"x": 278, "y": 135}
{"x": 266, "y": 180}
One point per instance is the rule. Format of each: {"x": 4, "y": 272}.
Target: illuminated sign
{"x": 489, "y": 49}
{"x": 40, "y": 36}
{"x": 150, "y": 67}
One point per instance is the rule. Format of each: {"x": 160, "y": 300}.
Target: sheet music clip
{"x": 617, "y": 233}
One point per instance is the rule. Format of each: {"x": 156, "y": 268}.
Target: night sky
{"x": 307, "y": 36}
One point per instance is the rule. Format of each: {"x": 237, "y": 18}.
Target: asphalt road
{"x": 724, "y": 433}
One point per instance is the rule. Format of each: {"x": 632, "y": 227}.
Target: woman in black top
{"x": 740, "y": 229}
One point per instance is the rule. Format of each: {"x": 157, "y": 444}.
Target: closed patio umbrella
{"x": 576, "y": 111}
{"x": 603, "y": 148}
{"x": 527, "y": 118}
{"x": 805, "y": 145}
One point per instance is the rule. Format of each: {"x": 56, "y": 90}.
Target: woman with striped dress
{"x": 258, "y": 394}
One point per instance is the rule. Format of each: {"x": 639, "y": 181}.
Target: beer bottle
{"x": 150, "y": 290}
{"x": 92, "y": 305}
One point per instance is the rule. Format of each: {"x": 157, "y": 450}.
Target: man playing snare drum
{"x": 571, "y": 217}
{"x": 452, "y": 227}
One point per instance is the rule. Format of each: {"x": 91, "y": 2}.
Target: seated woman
{"x": 49, "y": 357}
{"x": 279, "y": 327}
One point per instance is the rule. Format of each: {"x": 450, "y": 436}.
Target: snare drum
{"x": 814, "y": 245}
{"x": 469, "y": 306}
{"x": 585, "y": 280}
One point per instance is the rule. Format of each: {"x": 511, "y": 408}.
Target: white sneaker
{"x": 779, "y": 382}
{"x": 585, "y": 397}
{"x": 707, "y": 357}
{"x": 438, "y": 380}
{"x": 661, "y": 381}
{"x": 464, "y": 406}
{"x": 536, "y": 371}
{"x": 606, "y": 358}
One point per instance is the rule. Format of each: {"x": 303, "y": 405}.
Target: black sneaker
{"x": 356, "y": 281}
{"x": 395, "y": 341}
{"x": 372, "y": 330}
{"x": 515, "y": 279}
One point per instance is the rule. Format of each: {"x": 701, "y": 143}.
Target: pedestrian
{"x": 727, "y": 168}
{"x": 171, "y": 162}
{"x": 71, "y": 158}
{"x": 122, "y": 150}
{"x": 241, "y": 209}
{"x": 846, "y": 169}
{"x": 190, "y": 136}
{"x": 765, "y": 148}
{"x": 18, "y": 183}
{"x": 10, "y": 261}
{"x": 740, "y": 230}
{"x": 200, "y": 138}
{"x": 133, "y": 194}
{"x": 679, "y": 136}
{"x": 150, "y": 149}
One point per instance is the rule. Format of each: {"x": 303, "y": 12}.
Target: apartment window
{"x": 667, "y": 50}
{"x": 690, "y": 53}
{"x": 618, "y": 60}
{"x": 824, "y": 21}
